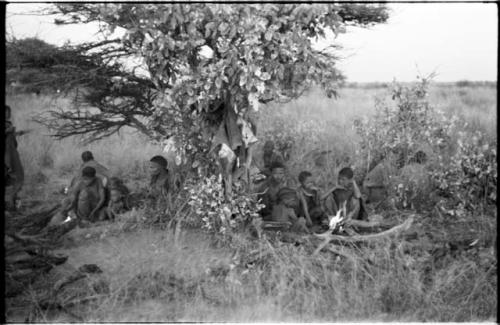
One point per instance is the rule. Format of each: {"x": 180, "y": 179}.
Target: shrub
{"x": 469, "y": 179}
{"x": 463, "y": 170}
{"x": 214, "y": 213}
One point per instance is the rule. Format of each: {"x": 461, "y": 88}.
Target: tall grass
{"x": 154, "y": 278}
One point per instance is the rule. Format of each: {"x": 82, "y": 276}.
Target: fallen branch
{"x": 328, "y": 237}
{"x": 367, "y": 224}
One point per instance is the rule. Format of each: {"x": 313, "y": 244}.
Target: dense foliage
{"x": 201, "y": 59}
{"x": 211, "y": 211}
{"x": 462, "y": 165}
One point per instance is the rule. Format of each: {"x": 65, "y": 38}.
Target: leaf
{"x": 253, "y": 101}
{"x": 218, "y": 82}
{"x": 243, "y": 80}
{"x": 265, "y": 76}
{"x": 269, "y": 35}
{"x": 209, "y": 28}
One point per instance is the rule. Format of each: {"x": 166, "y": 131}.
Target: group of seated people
{"x": 305, "y": 207}
{"x": 94, "y": 195}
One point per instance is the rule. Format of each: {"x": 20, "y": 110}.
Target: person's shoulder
{"x": 78, "y": 185}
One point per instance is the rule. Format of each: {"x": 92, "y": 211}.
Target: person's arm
{"x": 167, "y": 189}
{"x": 305, "y": 208}
{"x": 292, "y": 216}
{"x": 330, "y": 205}
{"x": 22, "y": 132}
{"x": 74, "y": 199}
{"x": 108, "y": 212}
{"x": 102, "y": 199}
{"x": 328, "y": 192}
{"x": 357, "y": 192}
{"x": 355, "y": 210}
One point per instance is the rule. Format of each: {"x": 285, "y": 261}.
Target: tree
{"x": 256, "y": 53}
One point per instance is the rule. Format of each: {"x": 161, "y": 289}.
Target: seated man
{"x": 347, "y": 192}
{"x": 268, "y": 191}
{"x": 310, "y": 201}
{"x": 285, "y": 210}
{"x": 88, "y": 161}
{"x": 88, "y": 197}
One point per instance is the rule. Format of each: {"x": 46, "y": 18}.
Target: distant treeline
{"x": 460, "y": 83}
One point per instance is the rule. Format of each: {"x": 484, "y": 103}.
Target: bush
{"x": 462, "y": 165}
{"x": 214, "y": 213}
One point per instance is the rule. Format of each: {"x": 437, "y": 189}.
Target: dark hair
{"x": 286, "y": 192}
{"x": 346, "y": 172}
{"x": 160, "y": 160}
{"x": 269, "y": 144}
{"x": 88, "y": 172}
{"x": 420, "y": 157}
{"x": 87, "y": 156}
{"x": 303, "y": 176}
{"x": 277, "y": 164}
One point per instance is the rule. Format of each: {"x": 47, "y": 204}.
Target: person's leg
{"x": 330, "y": 206}
{"x": 103, "y": 215}
{"x": 300, "y": 225}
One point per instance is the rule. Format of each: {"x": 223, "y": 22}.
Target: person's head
{"x": 268, "y": 147}
{"x": 345, "y": 177}
{"x": 88, "y": 175}
{"x": 278, "y": 171}
{"x": 420, "y": 157}
{"x": 157, "y": 164}
{"x": 8, "y": 113}
{"x": 115, "y": 195}
{"x": 288, "y": 197}
{"x": 115, "y": 182}
{"x": 87, "y": 156}
{"x": 306, "y": 180}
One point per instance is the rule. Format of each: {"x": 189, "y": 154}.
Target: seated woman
{"x": 161, "y": 184}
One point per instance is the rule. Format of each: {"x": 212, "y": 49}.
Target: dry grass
{"x": 125, "y": 153}
{"x": 154, "y": 278}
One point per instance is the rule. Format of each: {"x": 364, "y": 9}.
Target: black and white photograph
{"x": 250, "y": 162}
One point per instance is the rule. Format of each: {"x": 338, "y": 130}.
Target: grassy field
{"x": 154, "y": 275}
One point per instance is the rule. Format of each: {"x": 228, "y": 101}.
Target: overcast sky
{"x": 458, "y": 41}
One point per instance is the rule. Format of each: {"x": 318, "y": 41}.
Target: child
{"x": 310, "y": 201}
{"x": 117, "y": 204}
{"x": 118, "y": 198}
{"x": 347, "y": 191}
{"x": 88, "y": 197}
{"x": 285, "y": 210}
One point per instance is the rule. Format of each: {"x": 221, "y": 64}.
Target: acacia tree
{"x": 256, "y": 53}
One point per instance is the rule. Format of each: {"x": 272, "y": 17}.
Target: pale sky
{"x": 458, "y": 41}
